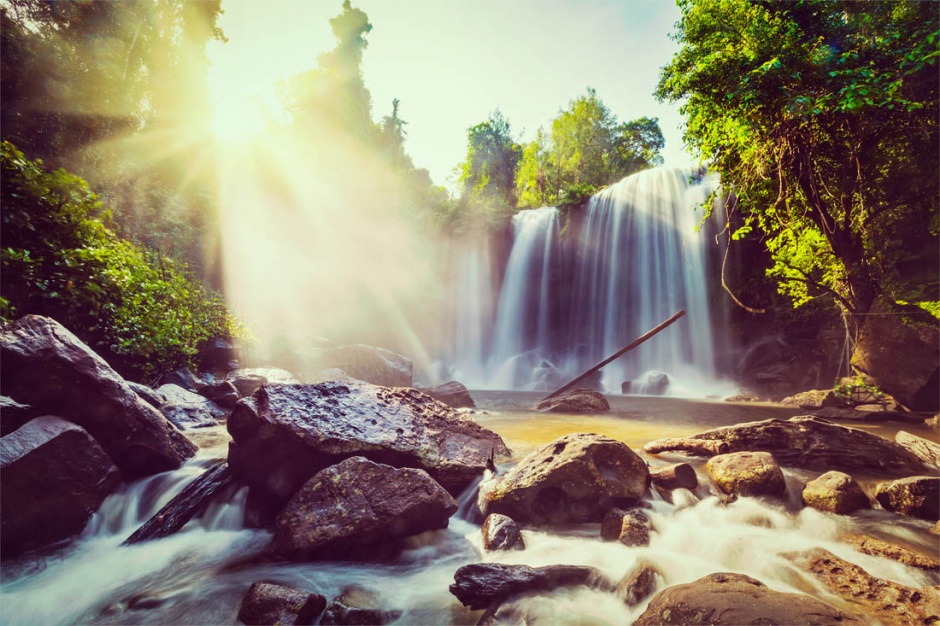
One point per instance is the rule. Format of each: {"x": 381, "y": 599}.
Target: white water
{"x": 199, "y": 575}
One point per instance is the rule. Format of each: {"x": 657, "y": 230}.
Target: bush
{"x": 142, "y": 312}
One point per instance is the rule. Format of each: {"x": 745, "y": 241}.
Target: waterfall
{"x": 580, "y": 284}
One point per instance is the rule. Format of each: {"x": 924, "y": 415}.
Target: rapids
{"x": 199, "y": 575}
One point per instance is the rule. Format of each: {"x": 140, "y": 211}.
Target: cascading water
{"x": 578, "y": 287}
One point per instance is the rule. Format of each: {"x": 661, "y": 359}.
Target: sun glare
{"x": 238, "y": 120}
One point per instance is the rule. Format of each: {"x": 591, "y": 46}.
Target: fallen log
{"x": 189, "y": 503}
{"x": 924, "y": 449}
{"x": 695, "y": 447}
{"x": 678, "y": 476}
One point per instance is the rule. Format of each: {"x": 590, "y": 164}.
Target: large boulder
{"x": 284, "y": 434}
{"x": 153, "y": 397}
{"x": 575, "y": 401}
{"x": 817, "y": 444}
{"x": 734, "y": 599}
{"x": 917, "y": 496}
{"x": 53, "y": 476}
{"x": 747, "y": 474}
{"x": 452, "y": 393}
{"x": 13, "y": 415}
{"x": 482, "y": 585}
{"x": 835, "y": 492}
{"x": 368, "y": 364}
{"x": 267, "y": 604}
{"x": 901, "y": 355}
{"x": 357, "y": 504}
{"x": 179, "y": 396}
{"x": 576, "y": 478}
{"x": 48, "y": 367}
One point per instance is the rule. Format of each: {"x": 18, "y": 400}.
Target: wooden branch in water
{"x": 695, "y": 447}
{"x": 924, "y": 449}
{"x": 616, "y": 355}
{"x": 678, "y": 476}
{"x": 189, "y": 503}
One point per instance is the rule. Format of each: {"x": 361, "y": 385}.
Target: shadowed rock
{"x": 638, "y": 584}
{"x": 917, "y": 496}
{"x": 453, "y": 394}
{"x": 576, "y": 401}
{"x": 631, "y": 528}
{"x": 357, "y": 605}
{"x": 501, "y": 533}
{"x": 481, "y": 585}
{"x": 267, "y": 604}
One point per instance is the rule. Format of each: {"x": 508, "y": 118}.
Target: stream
{"x": 199, "y": 575}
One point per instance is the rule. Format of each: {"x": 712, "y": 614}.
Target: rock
{"x": 223, "y": 393}
{"x": 151, "y": 396}
{"x": 879, "y": 600}
{"x": 817, "y": 444}
{"x": 743, "y": 397}
{"x": 638, "y": 584}
{"x": 267, "y": 604}
{"x": 452, "y": 394}
{"x": 332, "y": 373}
{"x": 814, "y": 399}
{"x": 747, "y": 474}
{"x": 369, "y": 364}
{"x": 175, "y": 394}
{"x": 576, "y": 478}
{"x": 835, "y": 492}
{"x": 50, "y": 368}
{"x": 357, "y": 605}
{"x": 13, "y": 415}
{"x": 936, "y": 528}
{"x": 575, "y": 401}
{"x": 675, "y": 476}
{"x": 269, "y": 374}
{"x": 726, "y": 598}
{"x": 651, "y": 384}
{"x": 631, "y": 528}
{"x": 924, "y": 449}
{"x": 284, "y": 434}
{"x": 481, "y": 585}
{"x": 183, "y": 377}
{"x": 53, "y": 476}
{"x": 877, "y": 547}
{"x": 246, "y": 384}
{"x": 217, "y": 355}
{"x": 186, "y": 416}
{"x": 356, "y": 505}
{"x": 917, "y": 496}
{"x": 501, "y": 533}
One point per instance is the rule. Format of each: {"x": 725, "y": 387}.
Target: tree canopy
{"x": 821, "y": 117}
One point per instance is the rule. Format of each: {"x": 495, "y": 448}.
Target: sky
{"x": 452, "y": 63}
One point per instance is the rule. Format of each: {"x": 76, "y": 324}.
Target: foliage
{"x": 587, "y": 149}
{"x": 59, "y": 258}
{"x": 821, "y": 117}
{"x": 858, "y": 391}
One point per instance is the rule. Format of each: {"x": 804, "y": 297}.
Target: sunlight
{"x": 238, "y": 119}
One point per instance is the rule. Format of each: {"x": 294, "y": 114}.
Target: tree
{"x": 821, "y": 117}
{"x": 490, "y": 167}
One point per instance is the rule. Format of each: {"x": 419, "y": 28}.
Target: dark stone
{"x": 53, "y": 476}
{"x": 183, "y": 377}
{"x": 835, "y": 492}
{"x": 501, "y": 533}
{"x": 217, "y": 354}
{"x": 223, "y": 393}
{"x": 736, "y": 599}
{"x": 631, "y": 528}
{"x": 747, "y": 474}
{"x": 368, "y": 364}
{"x": 267, "y": 604}
{"x": 575, "y": 401}
{"x": 357, "y": 606}
{"x": 284, "y": 434}
{"x": 50, "y": 368}
{"x": 452, "y": 394}
{"x": 653, "y": 384}
{"x": 576, "y": 478}
{"x": 186, "y": 416}
{"x": 638, "y": 584}
{"x": 175, "y": 394}
{"x": 481, "y": 585}
{"x": 817, "y": 444}
{"x": 269, "y": 374}
{"x": 151, "y": 396}
{"x": 917, "y": 496}
{"x": 13, "y": 415}
{"x": 357, "y": 504}
{"x": 246, "y": 384}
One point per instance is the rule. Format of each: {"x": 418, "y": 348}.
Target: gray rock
{"x": 453, "y": 394}
{"x": 183, "y": 377}
{"x": 267, "y": 604}
{"x": 501, "y": 533}
{"x": 747, "y": 474}
{"x": 481, "y": 585}
{"x": 631, "y": 528}
{"x": 576, "y": 401}
{"x": 357, "y": 605}
{"x": 13, "y": 415}
{"x": 151, "y": 396}
{"x": 175, "y": 394}
{"x": 187, "y": 416}
{"x": 835, "y": 492}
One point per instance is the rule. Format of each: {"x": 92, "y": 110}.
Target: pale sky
{"x": 452, "y": 62}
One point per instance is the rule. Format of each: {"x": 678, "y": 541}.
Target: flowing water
{"x": 579, "y": 285}
{"x": 199, "y": 575}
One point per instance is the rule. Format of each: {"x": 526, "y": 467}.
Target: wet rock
{"x": 835, "y": 492}
{"x": 743, "y": 397}
{"x": 357, "y": 605}
{"x": 369, "y": 364}
{"x": 815, "y": 443}
{"x": 747, "y": 474}
{"x": 576, "y": 478}
{"x": 638, "y": 584}
{"x": 13, "y": 415}
{"x": 726, "y": 598}
{"x": 284, "y": 434}
{"x": 453, "y": 394}
{"x": 356, "y": 504}
{"x": 186, "y": 416}
{"x": 575, "y": 401}
{"x": 183, "y": 377}
{"x": 631, "y": 528}
{"x": 151, "y": 396}
{"x": 877, "y": 547}
{"x": 222, "y": 393}
{"x": 814, "y": 399}
{"x": 53, "y": 476}
{"x": 917, "y": 496}
{"x": 924, "y": 449}
{"x": 267, "y": 604}
{"x": 246, "y": 384}
{"x": 269, "y": 374}
{"x": 218, "y": 354}
{"x": 481, "y": 585}
{"x": 49, "y": 368}
{"x": 877, "y": 599}
{"x": 675, "y": 476}
{"x": 652, "y": 384}
{"x": 175, "y": 394}
{"x": 501, "y": 533}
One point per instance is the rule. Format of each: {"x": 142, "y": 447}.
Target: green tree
{"x": 490, "y": 167}
{"x": 821, "y": 117}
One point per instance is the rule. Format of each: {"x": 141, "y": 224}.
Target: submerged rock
{"x": 917, "y": 496}
{"x": 835, "y": 492}
{"x": 481, "y": 585}
{"x": 638, "y": 584}
{"x": 576, "y": 478}
{"x": 501, "y": 533}
{"x": 576, "y": 401}
{"x": 735, "y": 599}
{"x": 267, "y": 604}
{"x": 284, "y": 434}
{"x": 357, "y": 605}
{"x": 631, "y": 528}
{"x": 747, "y": 474}
{"x": 48, "y": 367}
{"x": 53, "y": 476}
{"x": 357, "y": 504}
